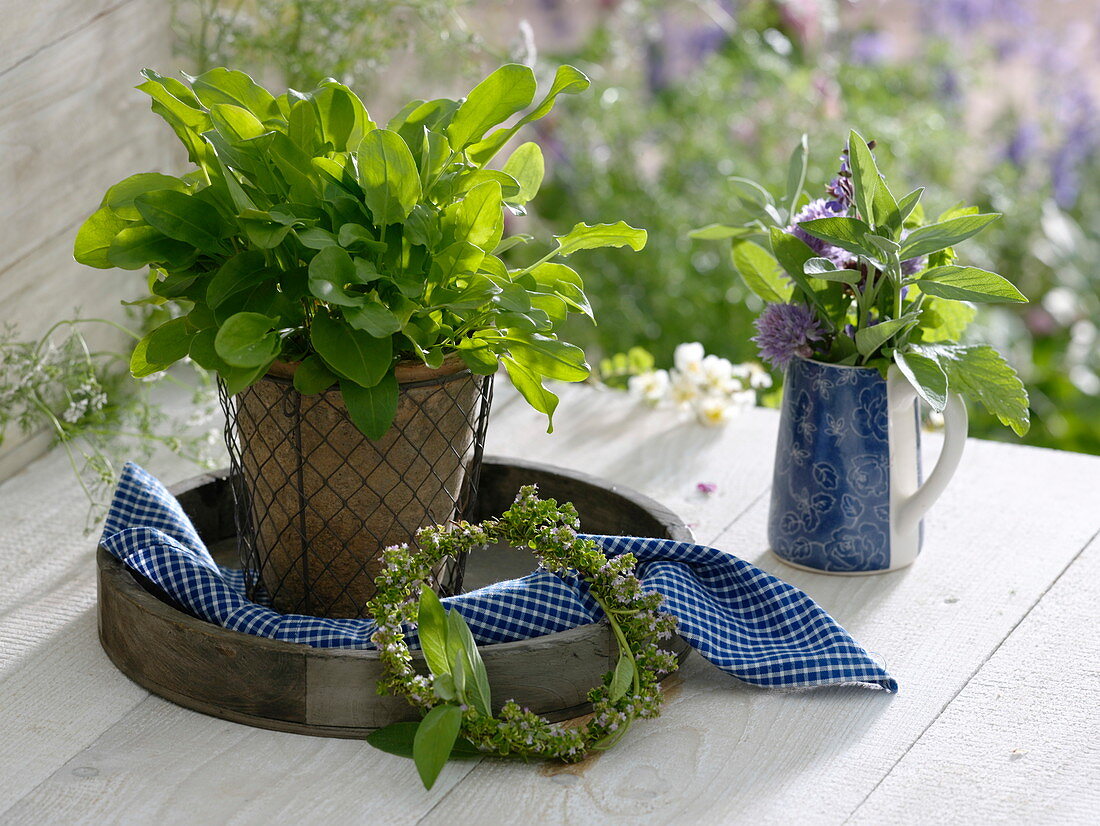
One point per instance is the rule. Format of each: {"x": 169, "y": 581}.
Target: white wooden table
{"x": 993, "y": 636}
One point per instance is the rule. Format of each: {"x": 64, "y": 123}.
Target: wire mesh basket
{"x": 317, "y": 501}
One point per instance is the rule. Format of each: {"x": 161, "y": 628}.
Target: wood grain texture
{"x": 1019, "y": 742}
{"x": 30, "y": 28}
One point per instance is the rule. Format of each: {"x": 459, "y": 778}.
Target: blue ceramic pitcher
{"x": 847, "y": 496}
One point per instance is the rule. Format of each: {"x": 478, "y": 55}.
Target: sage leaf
{"x": 936, "y": 237}
{"x": 847, "y": 233}
{"x": 372, "y": 409}
{"x": 434, "y": 739}
{"x": 247, "y": 340}
{"x": 869, "y": 339}
{"x": 352, "y": 353}
{"x": 926, "y": 376}
{"x": 969, "y": 284}
{"x": 865, "y": 177}
{"x": 796, "y": 174}
{"x": 761, "y": 272}
{"x": 980, "y": 373}
{"x": 826, "y": 270}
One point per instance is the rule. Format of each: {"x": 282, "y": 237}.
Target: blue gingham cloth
{"x": 745, "y": 621}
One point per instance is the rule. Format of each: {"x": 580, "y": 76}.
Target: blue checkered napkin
{"x": 745, "y": 621}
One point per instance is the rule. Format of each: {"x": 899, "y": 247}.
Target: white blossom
{"x": 650, "y": 387}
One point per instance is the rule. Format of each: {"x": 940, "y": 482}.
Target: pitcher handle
{"x": 955, "y": 423}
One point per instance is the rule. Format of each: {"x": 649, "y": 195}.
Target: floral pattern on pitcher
{"x": 831, "y": 492}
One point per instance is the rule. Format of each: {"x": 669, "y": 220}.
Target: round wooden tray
{"x": 331, "y": 692}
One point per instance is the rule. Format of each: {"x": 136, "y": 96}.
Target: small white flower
{"x": 688, "y": 358}
{"x": 650, "y": 387}
{"x": 717, "y": 374}
{"x": 714, "y": 411}
{"x": 759, "y": 378}
{"x": 683, "y": 389}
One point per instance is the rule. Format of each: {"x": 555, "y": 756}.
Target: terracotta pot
{"x": 326, "y": 500}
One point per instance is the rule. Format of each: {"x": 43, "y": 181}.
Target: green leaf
{"x": 434, "y": 739}
{"x": 869, "y": 339}
{"x": 548, "y": 356}
{"x": 374, "y": 317}
{"x": 243, "y": 272}
{"x": 182, "y": 217}
{"x": 341, "y": 116}
{"x": 236, "y": 124}
{"x": 503, "y": 93}
{"x": 968, "y": 284}
{"x": 169, "y": 342}
{"x": 352, "y": 353}
{"x": 847, "y": 233}
{"x": 865, "y": 178}
{"x": 826, "y": 270}
{"x": 926, "y": 376}
{"x": 248, "y": 340}
{"x": 793, "y": 253}
{"x": 981, "y": 373}
{"x": 224, "y": 86}
{"x": 139, "y": 245}
{"x": 397, "y": 738}
{"x": 761, "y": 272}
{"x": 936, "y": 237}
{"x": 372, "y": 409}
{"x": 388, "y": 176}
{"x": 313, "y": 376}
{"x": 567, "y": 81}
{"x": 584, "y": 237}
{"x": 906, "y": 206}
{"x": 95, "y": 236}
{"x": 330, "y": 271}
{"x": 943, "y": 319}
{"x": 140, "y": 364}
{"x": 431, "y": 628}
{"x": 529, "y": 385}
{"x": 623, "y": 677}
{"x": 796, "y": 174}
{"x": 478, "y": 356}
{"x": 461, "y": 642}
{"x": 479, "y": 218}
{"x": 120, "y": 197}
{"x": 527, "y": 166}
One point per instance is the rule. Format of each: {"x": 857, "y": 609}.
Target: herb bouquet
{"x": 865, "y": 303}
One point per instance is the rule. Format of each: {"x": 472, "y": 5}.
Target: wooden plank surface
{"x": 1020, "y": 742}
{"x": 722, "y": 752}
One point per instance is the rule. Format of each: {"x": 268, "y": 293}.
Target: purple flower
{"x": 706, "y": 488}
{"x": 811, "y": 212}
{"x": 840, "y": 189}
{"x": 784, "y": 331}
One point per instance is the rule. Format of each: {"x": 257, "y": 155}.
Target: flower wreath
{"x": 456, "y": 695}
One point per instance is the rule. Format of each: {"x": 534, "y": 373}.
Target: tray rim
{"x": 114, "y": 577}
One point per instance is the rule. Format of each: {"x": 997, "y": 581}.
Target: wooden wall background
{"x": 71, "y": 124}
